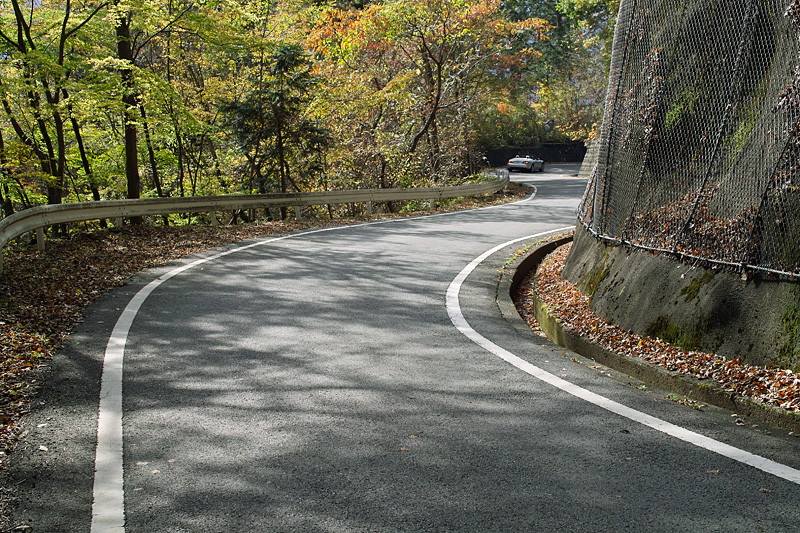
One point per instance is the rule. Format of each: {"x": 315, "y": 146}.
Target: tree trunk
{"x": 217, "y": 171}
{"x": 87, "y": 167}
{"x": 55, "y": 192}
{"x": 5, "y": 199}
{"x": 151, "y": 153}
{"x": 433, "y": 81}
{"x": 179, "y": 146}
{"x": 385, "y": 185}
{"x": 152, "y": 156}
{"x": 281, "y": 169}
{"x": 125, "y": 53}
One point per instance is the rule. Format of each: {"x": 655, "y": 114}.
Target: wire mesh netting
{"x": 700, "y": 144}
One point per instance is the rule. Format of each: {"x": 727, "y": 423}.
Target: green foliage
{"x": 225, "y": 98}
{"x": 684, "y": 105}
{"x": 596, "y": 17}
{"x": 270, "y": 122}
{"x": 567, "y": 83}
{"x": 508, "y": 125}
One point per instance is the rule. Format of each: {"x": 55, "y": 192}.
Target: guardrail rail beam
{"x": 40, "y": 217}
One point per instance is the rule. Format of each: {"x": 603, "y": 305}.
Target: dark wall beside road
{"x": 714, "y": 310}
{"x": 551, "y": 153}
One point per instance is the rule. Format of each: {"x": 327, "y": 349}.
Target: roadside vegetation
{"x": 139, "y": 98}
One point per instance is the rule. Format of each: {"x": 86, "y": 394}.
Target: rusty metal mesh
{"x": 700, "y": 145}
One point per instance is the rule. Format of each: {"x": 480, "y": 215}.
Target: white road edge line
{"x": 108, "y": 494}
{"x": 454, "y": 310}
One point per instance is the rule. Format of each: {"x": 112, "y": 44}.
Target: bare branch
{"x": 162, "y": 30}
{"x": 71, "y": 32}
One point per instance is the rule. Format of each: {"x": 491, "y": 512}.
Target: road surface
{"x": 318, "y": 382}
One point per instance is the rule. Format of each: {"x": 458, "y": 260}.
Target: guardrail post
{"x": 369, "y": 209}
{"x": 118, "y": 222}
{"x": 40, "y": 239}
{"x": 214, "y": 223}
{"x": 433, "y": 203}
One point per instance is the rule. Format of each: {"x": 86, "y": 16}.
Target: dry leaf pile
{"x": 771, "y": 386}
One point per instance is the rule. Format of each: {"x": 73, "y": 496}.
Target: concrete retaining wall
{"x": 756, "y": 320}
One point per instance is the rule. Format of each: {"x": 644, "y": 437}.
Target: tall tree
{"x": 423, "y": 68}
{"x": 34, "y": 64}
{"x": 5, "y": 196}
{"x": 271, "y": 122}
{"x": 124, "y": 18}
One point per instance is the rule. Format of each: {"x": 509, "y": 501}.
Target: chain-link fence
{"x": 700, "y": 145}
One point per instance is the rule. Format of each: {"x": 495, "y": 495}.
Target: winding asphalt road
{"x": 319, "y": 383}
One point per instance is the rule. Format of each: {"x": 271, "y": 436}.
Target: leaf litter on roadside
{"x": 769, "y": 385}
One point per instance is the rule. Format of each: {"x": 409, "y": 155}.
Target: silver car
{"x": 527, "y": 163}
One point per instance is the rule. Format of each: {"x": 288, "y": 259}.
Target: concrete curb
{"x": 701, "y": 390}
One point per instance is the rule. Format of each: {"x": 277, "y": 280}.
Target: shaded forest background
{"x": 142, "y": 98}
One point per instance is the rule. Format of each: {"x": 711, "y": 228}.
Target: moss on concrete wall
{"x": 690, "y": 338}
{"x": 592, "y": 280}
{"x": 693, "y": 288}
{"x": 755, "y": 320}
{"x": 788, "y": 352}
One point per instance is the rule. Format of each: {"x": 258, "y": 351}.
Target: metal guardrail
{"x": 36, "y": 218}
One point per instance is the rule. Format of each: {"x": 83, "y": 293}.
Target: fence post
{"x": 40, "y": 239}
